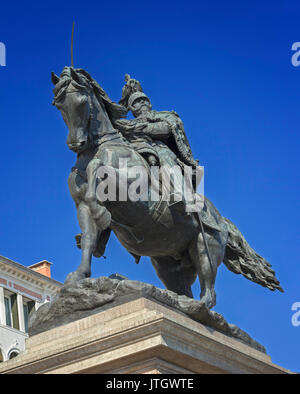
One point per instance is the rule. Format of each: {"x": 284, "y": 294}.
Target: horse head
{"x": 86, "y": 109}
{"x": 72, "y": 93}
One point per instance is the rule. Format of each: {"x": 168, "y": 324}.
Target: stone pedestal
{"x": 140, "y": 336}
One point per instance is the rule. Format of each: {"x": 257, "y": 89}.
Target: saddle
{"x": 209, "y": 215}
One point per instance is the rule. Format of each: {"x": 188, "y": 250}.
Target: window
{"x": 28, "y": 308}
{"x": 8, "y": 315}
{"x": 11, "y": 310}
{"x": 13, "y": 354}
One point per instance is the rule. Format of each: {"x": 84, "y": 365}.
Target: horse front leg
{"x": 99, "y": 213}
{"x": 88, "y": 243}
{"x": 91, "y": 172}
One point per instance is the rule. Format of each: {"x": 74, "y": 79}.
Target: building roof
{"x": 29, "y": 272}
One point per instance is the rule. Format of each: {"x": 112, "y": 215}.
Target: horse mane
{"x": 115, "y": 111}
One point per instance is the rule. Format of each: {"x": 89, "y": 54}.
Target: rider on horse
{"x": 159, "y": 136}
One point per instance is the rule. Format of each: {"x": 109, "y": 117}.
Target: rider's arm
{"x": 157, "y": 129}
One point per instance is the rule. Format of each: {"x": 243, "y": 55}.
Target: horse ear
{"x": 76, "y": 77}
{"x": 54, "y": 78}
{"x": 73, "y": 74}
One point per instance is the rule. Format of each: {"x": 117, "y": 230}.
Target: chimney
{"x": 42, "y": 267}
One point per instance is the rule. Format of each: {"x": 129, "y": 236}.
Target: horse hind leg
{"x": 175, "y": 276}
{"x": 207, "y": 267}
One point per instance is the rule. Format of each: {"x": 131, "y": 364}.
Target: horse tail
{"x": 240, "y": 258}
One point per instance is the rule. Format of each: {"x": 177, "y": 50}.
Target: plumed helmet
{"x": 135, "y": 96}
{"x": 131, "y": 91}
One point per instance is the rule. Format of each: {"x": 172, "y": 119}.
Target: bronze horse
{"x": 178, "y": 253}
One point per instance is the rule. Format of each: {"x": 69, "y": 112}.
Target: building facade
{"x": 22, "y": 291}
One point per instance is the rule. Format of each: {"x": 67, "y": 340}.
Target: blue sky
{"x": 226, "y": 68}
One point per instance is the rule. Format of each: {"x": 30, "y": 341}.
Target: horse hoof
{"x": 209, "y": 300}
{"x": 74, "y": 277}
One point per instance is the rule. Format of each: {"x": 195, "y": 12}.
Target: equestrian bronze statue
{"x": 182, "y": 244}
